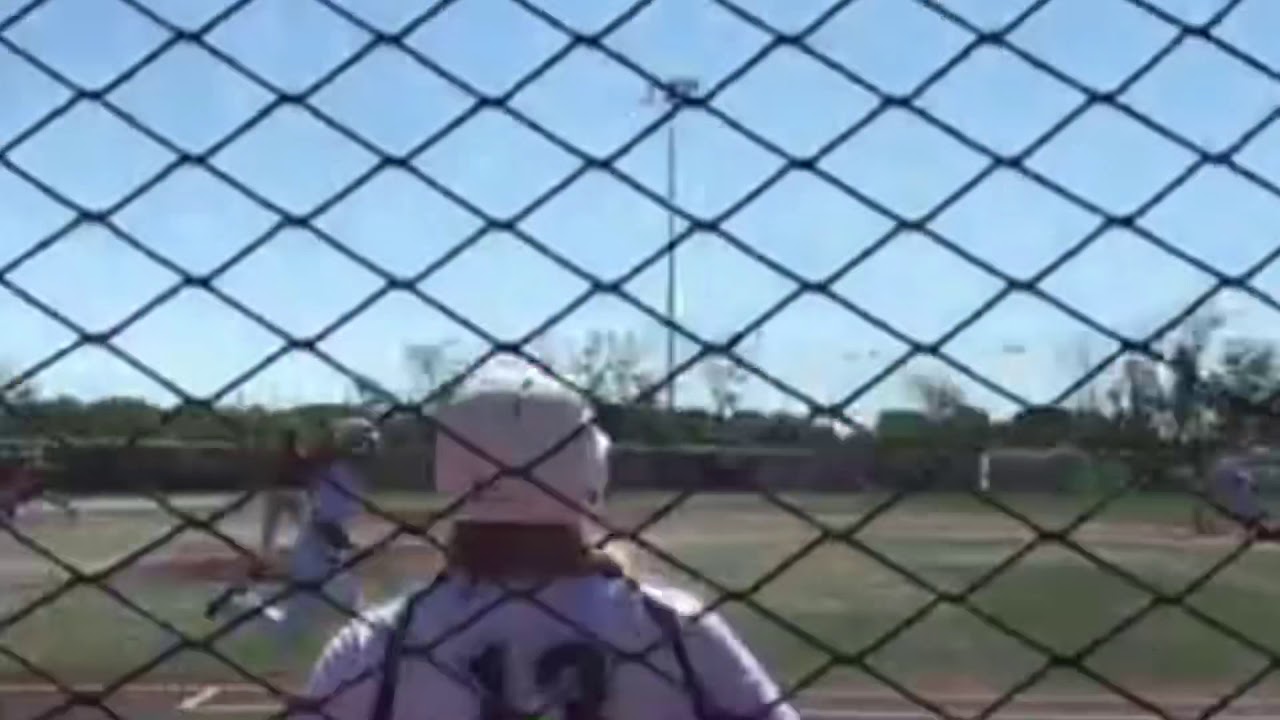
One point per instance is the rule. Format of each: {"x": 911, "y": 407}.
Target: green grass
{"x": 1152, "y": 507}
{"x": 835, "y": 599}
{"x": 844, "y": 601}
{"x": 88, "y": 634}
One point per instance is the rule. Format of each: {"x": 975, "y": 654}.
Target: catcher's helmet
{"x": 527, "y": 456}
{"x": 355, "y": 436}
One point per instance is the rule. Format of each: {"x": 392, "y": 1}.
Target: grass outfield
{"x": 842, "y": 599}
{"x": 1171, "y": 508}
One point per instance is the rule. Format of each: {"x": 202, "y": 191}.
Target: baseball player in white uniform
{"x": 528, "y": 619}
{"x": 316, "y": 584}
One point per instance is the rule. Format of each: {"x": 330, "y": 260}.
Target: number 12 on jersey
{"x": 585, "y": 664}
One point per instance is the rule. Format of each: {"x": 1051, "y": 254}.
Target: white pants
{"x": 306, "y": 608}
{"x": 277, "y": 503}
{"x": 313, "y": 560}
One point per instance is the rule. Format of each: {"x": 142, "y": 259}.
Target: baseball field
{"x": 803, "y": 594}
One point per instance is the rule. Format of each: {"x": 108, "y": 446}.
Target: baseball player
{"x": 18, "y": 486}
{"x": 528, "y": 619}
{"x": 316, "y": 585}
{"x": 21, "y": 482}
{"x": 285, "y": 496}
{"x": 1234, "y": 483}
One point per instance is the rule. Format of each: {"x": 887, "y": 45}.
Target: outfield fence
{"x": 111, "y": 466}
{"x": 30, "y": 46}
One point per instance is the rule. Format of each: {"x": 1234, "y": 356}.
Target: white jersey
{"x": 335, "y": 493}
{"x": 474, "y": 651}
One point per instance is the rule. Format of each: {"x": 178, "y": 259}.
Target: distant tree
{"x": 587, "y": 366}
{"x": 371, "y": 395}
{"x": 1249, "y": 369}
{"x": 726, "y": 381}
{"x": 1246, "y": 383}
{"x": 120, "y": 417}
{"x": 20, "y": 399}
{"x": 435, "y": 372}
{"x": 939, "y": 398}
{"x": 17, "y": 392}
{"x": 1168, "y": 397}
{"x": 1146, "y": 393}
{"x": 612, "y": 367}
{"x": 1188, "y": 399}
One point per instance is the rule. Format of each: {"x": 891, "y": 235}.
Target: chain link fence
{"x": 879, "y": 594}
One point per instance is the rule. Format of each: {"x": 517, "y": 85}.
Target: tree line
{"x": 1203, "y": 387}
{"x": 614, "y": 368}
{"x": 1198, "y": 387}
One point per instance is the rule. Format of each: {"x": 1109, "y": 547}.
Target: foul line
{"x": 200, "y": 698}
{"x": 235, "y": 709}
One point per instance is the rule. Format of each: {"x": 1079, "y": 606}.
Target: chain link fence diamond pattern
{"x": 269, "y": 123}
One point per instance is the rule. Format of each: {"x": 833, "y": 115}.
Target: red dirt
{"x": 211, "y": 562}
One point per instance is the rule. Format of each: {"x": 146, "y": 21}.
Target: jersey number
{"x": 585, "y": 662}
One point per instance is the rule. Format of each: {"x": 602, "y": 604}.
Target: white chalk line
{"x": 202, "y": 697}
{"x": 237, "y": 709}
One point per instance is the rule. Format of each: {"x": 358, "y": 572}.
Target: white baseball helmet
{"x": 549, "y": 459}
{"x": 356, "y": 436}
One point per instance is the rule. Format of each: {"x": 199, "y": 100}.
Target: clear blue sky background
{"x": 197, "y": 221}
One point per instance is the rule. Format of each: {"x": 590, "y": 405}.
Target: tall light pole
{"x": 1014, "y": 354}
{"x": 671, "y": 92}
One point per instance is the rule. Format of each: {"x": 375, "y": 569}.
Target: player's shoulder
{"x": 368, "y": 631}
{"x": 368, "y": 634}
{"x": 676, "y": 600}
{"x": 348, "y": 668}
{"x": 357, "y": 649}
{"x": 677, "y": 607}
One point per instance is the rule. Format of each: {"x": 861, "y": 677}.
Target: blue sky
{"x": 196, "y": 221}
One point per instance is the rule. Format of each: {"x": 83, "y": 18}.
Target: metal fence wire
{"x": 74, "y": 697}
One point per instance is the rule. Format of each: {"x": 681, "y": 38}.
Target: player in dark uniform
{"x": 285, "y": 494}
{"x": 22, "y": 481}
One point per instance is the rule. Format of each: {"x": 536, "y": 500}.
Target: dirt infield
{"x": 211, "y": 562}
